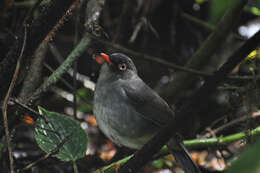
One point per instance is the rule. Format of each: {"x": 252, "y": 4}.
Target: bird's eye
{"x": 122, "y": 67}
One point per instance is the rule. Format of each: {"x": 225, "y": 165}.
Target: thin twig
{"x": 137, "y": 29}
{"x": 75, "y": 64}
{"x": 61, "y": 21}
{"x": 148, "y": 57}
{"x": 204, "y": 56}
{"x": 67, "y": 84}
{"x": 82, "y": 78}
{"x": 16, "y": 101}
{"x": 221, "y": 141}
{"x": 5, "y": 105}
{"x": 191, "y": 112}
{"x": 25, "y": 4}
{"x": 28, "y": 17}
{"x": 33, "y": 76}
{"x": 233, "y": 122}
{"x": 160, "y": 60}
{"x": 124, "y": 18}
{"x": 46, "y": 156}
{"x": 76, "y": 53}
{"x": 205, "y": 25}
{"x": 195, "y": 144}
{"x": 37, "y": 31}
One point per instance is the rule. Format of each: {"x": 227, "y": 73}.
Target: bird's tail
{"x": 182, "y": 157}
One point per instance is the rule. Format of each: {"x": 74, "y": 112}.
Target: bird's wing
{"x": 154, "y": 109}
{"x": 148, "y": 103}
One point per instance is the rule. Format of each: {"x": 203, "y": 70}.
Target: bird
{"x": 128, "y": 111}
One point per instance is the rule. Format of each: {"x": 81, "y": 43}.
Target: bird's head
{"x": 117, "y": 64}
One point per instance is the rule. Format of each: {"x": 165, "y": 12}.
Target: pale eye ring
{"x": 122, "y": 67}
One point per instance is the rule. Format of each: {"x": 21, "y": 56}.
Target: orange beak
{"x": 100, "y": 58}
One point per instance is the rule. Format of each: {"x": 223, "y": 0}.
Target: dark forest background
{"x": 201, "y": 55}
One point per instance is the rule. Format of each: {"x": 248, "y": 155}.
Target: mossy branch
{"x": 202, "y": 57}
{"x": 199, "y": 143}
{"x": 220, "y": 141}
{"x": 55, "y": 76}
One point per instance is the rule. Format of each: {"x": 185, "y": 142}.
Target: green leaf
{"x": 253, "y": 10}
{"x": 158, "y": 163}
{"x": 49, "y": 136}
{"x": 1, "y": 146}
{"x": 248, "y": 162}
{"x": 218, "y": 8}
{"x": 85, "y": 97}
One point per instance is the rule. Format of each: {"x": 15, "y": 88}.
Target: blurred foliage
{"x": 258, "y": 3}
{"x": 114, "y": 166}
{"x": 248, "y": 162}
{"x": 166, "y": 161}
{"x": 199, "y": 1}
{"x": 253, "y": 10}
{"x": 85, "y": 105}
{"x": 158, "y": 163}
{"x": 218, "y": 8}
{"x": 1, "y": 146}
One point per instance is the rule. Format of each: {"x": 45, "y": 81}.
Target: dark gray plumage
{"x": 128, "y": 111}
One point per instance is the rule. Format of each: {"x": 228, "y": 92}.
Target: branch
{"x": 46, "y": 156}
{"x": 36, "y": 33}
{"x": 201, "y": 58}
{"x": 231, "y": 124}
{"x": 16, "y": 101}
{"x": 122, "y": 27}
{"x": 93, "y": 14}
{"x": 34, "y": 76}
{"x": 209, "y": 27}
{"x": 199, "y": 144}
{"x": 159, "y": 60}
{"x": 76, "y": 53}
{"x": 67, "y": 84}
{"x": 220, "y": 141}
{"x": 6, "y": 99}
{"x": 149, "y": 58}
{"x": 187, "y": 117}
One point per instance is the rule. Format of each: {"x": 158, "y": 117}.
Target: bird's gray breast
{"x": 118, "y": 120}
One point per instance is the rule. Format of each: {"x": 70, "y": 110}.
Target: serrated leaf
{"x": 49, "y": 136}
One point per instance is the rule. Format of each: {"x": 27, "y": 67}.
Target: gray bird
{"x": 128, "y": 111}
